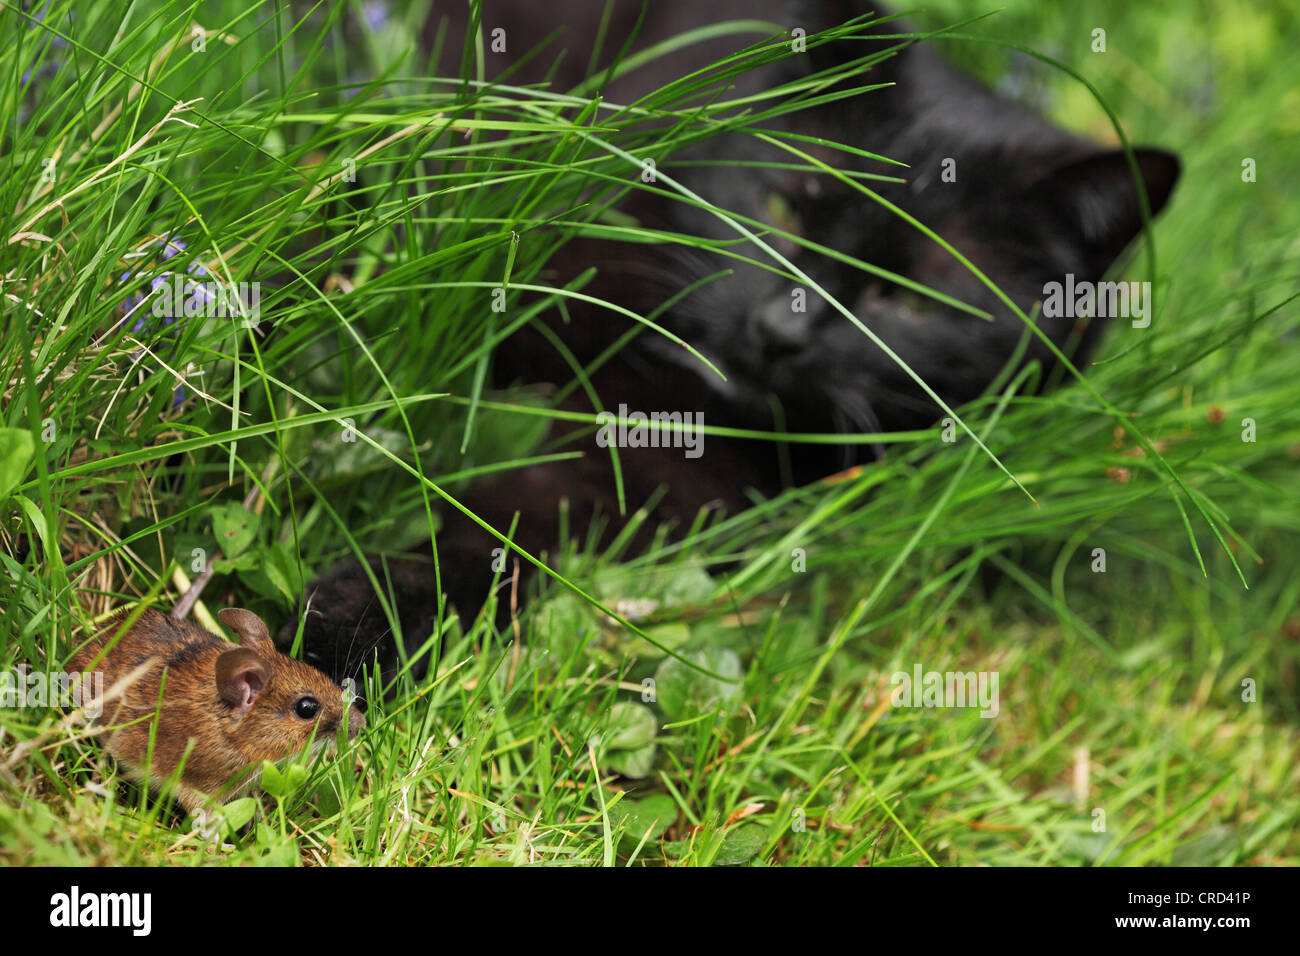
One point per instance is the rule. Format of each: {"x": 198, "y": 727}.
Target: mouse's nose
{"x": 356, "y": 722}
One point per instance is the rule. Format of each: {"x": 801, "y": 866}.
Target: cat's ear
{"x": 818, "y": 15}
{"x": 1099, "y": 196}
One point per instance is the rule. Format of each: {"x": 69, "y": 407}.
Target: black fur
{"x": 1030, "y": 204}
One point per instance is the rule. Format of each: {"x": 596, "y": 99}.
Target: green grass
{"x": 1121, "y": 692}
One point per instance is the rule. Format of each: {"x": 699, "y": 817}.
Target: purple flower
{"x": 50, "y": 66}
{"x": 137, "y": 307}
{"x": 171, "y": 245}
{"x": 375, "y": 13}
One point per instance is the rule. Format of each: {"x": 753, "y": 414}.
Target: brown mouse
{"x": 240, "y": 704}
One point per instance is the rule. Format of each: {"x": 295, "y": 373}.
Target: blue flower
{"x": 138, "y": 311}
{"x": 171, "y": 245}
{"x": 49, "y": 66}
{"x": 375, "y": 13}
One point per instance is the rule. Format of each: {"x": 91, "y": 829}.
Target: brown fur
{"x": 234, "y": 702}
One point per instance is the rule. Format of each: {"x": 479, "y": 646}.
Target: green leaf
{"x": 632, "y": 763}
{"x": 628, "y": 745}
{"x": 740, "y": 845}
{"x": 1216, "y": 847}
{"x": 563, "y": 624}
{"x": 273, "y": 781}
{"x": 630, "y": 726}
{"x": 686, "y": 584}
{"x": 684, "y": 692}
{"x": 16, "y": 448}
{"x": 327, "y": 800}
{"x": 671, "y": 635}
{"x": 295, "y": 775}
{"x": 244, "y": 562}
{"x": 234, "y": 527}
{"x": 35, "y": 516}
{"x": 654, "y": 813}
{"x": 338, "y": 456}
{"x": 281, "y": 782}
{"x": 237, "y": 813}
{"x": 500, "y": 435}
{"x": 282, "y": 570}
{"x": 677, "y": 848}
{"x": 283, "y": 853}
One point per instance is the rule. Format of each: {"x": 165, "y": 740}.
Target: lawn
{"x": 1131, "y": 590}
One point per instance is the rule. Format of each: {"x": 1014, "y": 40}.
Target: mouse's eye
{"x": 306, "y": 707}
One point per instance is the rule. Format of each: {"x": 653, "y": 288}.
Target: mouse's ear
{"x": 252, "y": 632}
{"x": 242, "y": 677}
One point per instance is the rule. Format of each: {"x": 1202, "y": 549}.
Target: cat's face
{"x": 1027, "y": 203}
{"x": 1024, "y": 202}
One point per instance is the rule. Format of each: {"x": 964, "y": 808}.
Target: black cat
{"x": 1026, "y": 202}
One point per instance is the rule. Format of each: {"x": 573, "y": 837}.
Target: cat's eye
{"x": 307, "y": 707}
{"x": 913, "y": 301}
{"x": 781, "y": 214}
